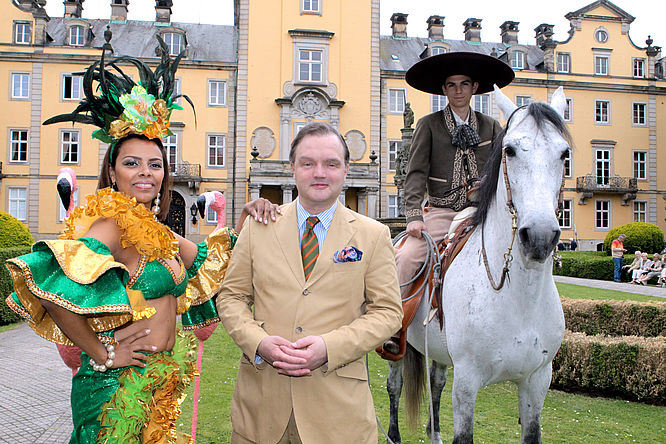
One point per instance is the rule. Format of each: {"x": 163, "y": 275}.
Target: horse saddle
{"x": 448, "y": 249}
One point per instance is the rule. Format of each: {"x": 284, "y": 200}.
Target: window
{"x": 69, "y": 147}
{"x": 518, "y": 60}
{"x": 482, "y": 103}
{"x": 602, "y": 214}
{"x": 437, "y": 50}
{"x": 601, "y": 35}
{"x": 563, "y": 62}
{"x": 22, "y": 33}
{"x": 640, "y": 211}
{"x": 171, "y": 147}
{"x": 602, "y": 111}
{"x": 217, "y": 93}
{"x": 568, "y": 110}
{"x": 173, "y": 41}
{"x": 602, "y": 167}
{"x": 71, "y": 87}
{"x": 311, "y": 6}
{"x": 601, "y": 65}
{"x": 211, "y": 216}
{"x": 20, "y": 86}
{"x": 438, "y": 102}
{"x": 523, "y": 100}
{"x": 565, "y": 216}
{"x": 298, "y": 126}
{"x": 393, "y": 150}
{"x": 309, "y": 65}
{"x": 62, "y": 211}
{"x": 18, "y": 150}
{"x": 392, "y": 205}
{"x": 215, "y": 149}
{"x": 17, "y": 202}
{"x": 397, "y": 99}
{"x": 639, "y": 68}
{"x": 640, "y": 165}
{"x": 639, "y": 111}
{"x": 76, "y": 36}
{"x": 176, "y": 89}
{"x": 567, "y": 164}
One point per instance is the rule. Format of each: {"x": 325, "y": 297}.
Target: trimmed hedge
{"x": 588, "y": 265}
{"x": 7, "y": 315}
{"x": 630, "y": 367}
{"x": 13, "y": 233}
{"x": 641, "y": 236}
{"x": 615, "y": 318}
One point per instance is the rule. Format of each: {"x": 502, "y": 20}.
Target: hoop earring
{"x": 156, "y": 208}
{"x": 114, "y": 186}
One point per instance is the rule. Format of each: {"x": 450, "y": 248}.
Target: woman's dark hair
{"x": 108, "y": 163}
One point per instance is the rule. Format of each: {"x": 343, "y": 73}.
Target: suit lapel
{"x": 339, "y": 234}
{"x": 286, "y": 233}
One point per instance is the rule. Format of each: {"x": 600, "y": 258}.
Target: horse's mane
{"x": 542, "y": 115}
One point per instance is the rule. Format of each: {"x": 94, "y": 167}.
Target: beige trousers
{"x": 290, "y": 435}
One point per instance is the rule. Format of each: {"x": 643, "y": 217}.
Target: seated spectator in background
{"x": 637, "y": 273}
{"x": 560, "y": 246}
{"x": 653, "y": 270}
{"x": 662, "y": 275}
{"x": 636, "y": 264}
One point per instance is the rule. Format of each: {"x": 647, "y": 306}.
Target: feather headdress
{"x": 123, "y": 107}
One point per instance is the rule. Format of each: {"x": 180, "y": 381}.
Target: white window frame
{"x": 62, "y": 211}
{"x": 438, "y": 102}
{"x": 639, "y": 114}
{"x": 177, "y": 88}
{"x": 599, "y": 118}
{"x": 395, "y": 105}
{"x": 394, "y": 147}
{"x": 392, "y": 205}
{"x": 24, "y": 86}
{"x": 211, "y": 215}
{"x": 640, "y": 165}
{"x": 16, "y": 143}
{"x": 311, "y": 7}
{"x": 70, "y": 143}
{"x": 22, "y": 33}
{"x": 640, "y": 211}
{"x": 169, "y": 39}
{"x": 602, "y": 68}
{"x": 602, "y": 166}
{"x": 17, "y": 206}
{"x": 220, "y": 97}
{"x": 598, "y": 35}
{"x": 569, "y": 110}
{"x": 522, "y": 100}
{"x": 170, "y": 144}
{"x": 481, "y": 103}
{"x": 310, "y": 64}
{"x": 76, "y": 84}
{"x": 437, "y": 50}
{"x": 567, "y": 214}
{"x": 638, "y": 68}
{"x": 217, "y": 147}
{"x": 518, "y": 60}
{"x": 568, "y": 164}
{"x": 79, "y": 39}
{"x": 564, "y": 62}
{"x": 599, "y": 212}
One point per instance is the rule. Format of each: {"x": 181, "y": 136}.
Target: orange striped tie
{"x": 309, "y": 246}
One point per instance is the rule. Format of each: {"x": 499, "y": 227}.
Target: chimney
{"x": 543, "y": 32}
{"x": 472, "y": 30}
{"x": 435, "y": 27}
{"x": 119, "y": 10}
{"x": 544, "y": 40}
{"x": 163, "y": 11}
{"x": 73, "y": 8}
{"x": 509, "y": 32}
{"x": 399, "y": 25}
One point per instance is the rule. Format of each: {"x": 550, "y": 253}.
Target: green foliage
{"x": 13, "y": 233}
{"x": 7, "y": 315}
{"x": 641, "y": 236}
{"x": 588, "y": 265}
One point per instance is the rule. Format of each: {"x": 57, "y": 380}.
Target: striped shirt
{"x": 325, "y": 219}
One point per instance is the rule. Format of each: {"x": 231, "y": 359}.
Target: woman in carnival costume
{"x": 116, "y": 279}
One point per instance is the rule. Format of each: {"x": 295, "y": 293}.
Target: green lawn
{"x": 579, "y": 292}
{"x": 9, "y": 326}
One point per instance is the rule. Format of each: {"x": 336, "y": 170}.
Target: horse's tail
{"x": 414, "y": 383}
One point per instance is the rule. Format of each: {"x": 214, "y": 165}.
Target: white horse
{"x": 496, "y": 329}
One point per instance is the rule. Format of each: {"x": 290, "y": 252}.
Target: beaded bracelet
{"x": 110, "y": 356}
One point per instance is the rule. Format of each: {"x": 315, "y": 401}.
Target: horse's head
{"x": 535, "y": 144}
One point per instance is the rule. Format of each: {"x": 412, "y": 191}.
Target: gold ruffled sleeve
{"x": 208, "y": 280}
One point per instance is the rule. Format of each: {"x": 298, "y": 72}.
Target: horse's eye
{"x": 510, "y": 151}
{"x": 565, "y": 154}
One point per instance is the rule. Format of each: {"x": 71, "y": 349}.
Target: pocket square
{"x": 347, "y": 254}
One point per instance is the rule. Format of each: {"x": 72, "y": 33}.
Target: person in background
{"x": 643, "y": 268}
{"x": 573, "y": 245}
{"x": 635, "y": 265}
{"x": 653, "y": 270}
{"x": 617, "y": 251}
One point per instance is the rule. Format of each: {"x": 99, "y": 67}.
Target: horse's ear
{"x": 504, "y": 103}
{"x": 559, "y": 102}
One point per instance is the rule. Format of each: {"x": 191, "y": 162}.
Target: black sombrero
{"x": 429, "y": 74}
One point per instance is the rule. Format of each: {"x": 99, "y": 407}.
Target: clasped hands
{"x": 294, "y": 358}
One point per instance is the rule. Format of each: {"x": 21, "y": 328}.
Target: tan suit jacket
{"x": 354, "y": 306}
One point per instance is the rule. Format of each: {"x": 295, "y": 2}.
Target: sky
{"x": 649, "y": 14}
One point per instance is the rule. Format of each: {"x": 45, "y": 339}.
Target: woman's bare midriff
{"x": 162, "y": 325}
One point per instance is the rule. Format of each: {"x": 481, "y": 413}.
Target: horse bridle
{"x": 508, "y": 256}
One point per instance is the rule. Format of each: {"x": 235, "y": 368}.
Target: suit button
{"x": 306, "y": 292}
{"x": 299, "y": 330}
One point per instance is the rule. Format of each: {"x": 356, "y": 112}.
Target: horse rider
{"x": 448, "y": 153}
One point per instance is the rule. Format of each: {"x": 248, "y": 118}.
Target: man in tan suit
{"x": 322, "y": 282}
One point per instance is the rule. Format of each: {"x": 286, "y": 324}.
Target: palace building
{"x": 289, "y": 62}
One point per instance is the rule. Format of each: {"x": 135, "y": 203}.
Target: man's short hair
{"x": 622, "y": 235}
{"x": 317, "y": 129}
